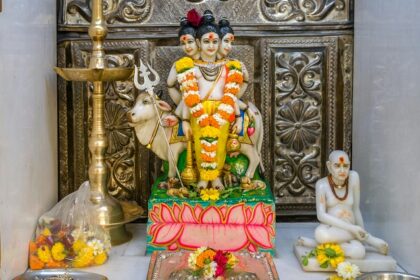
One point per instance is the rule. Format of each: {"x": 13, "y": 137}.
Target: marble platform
{"x": 128, "y": 261}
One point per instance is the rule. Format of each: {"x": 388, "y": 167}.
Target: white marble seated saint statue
{"x": 337, "y": 206}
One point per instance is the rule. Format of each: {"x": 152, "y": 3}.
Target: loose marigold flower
{"x": 193, "y": 87}
{"x": 206, "y": 158}
{"x": 205, "y": 122}
{"x": 192, "y": 100}
{"x": 198, "y": 113}
{"x": 224, "y": 115}
{"x": 228, "y": 100}
{"x": 213, "y": 122}
{"x": 233, "y": 91}
{"x": 35, "y": 262}
{"x": 211, "y": 148}
{"x": 235, "y": 78}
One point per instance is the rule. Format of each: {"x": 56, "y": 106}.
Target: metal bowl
{"x": 59, "y": 274}
{"x": 384, "y": 275}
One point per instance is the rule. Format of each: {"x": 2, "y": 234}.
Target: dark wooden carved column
{"x": 300, "y": 57}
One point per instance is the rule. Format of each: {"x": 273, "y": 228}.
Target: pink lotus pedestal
{"x": 229, "y": 224}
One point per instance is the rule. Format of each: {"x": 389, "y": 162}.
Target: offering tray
{"x": 59, "y": 274}
{"x": 163, "y": 263}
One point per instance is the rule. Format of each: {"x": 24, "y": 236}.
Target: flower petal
{"x": 166, "y": 234}
{"x": 258, "y": 215}
{"x": 166, "y": 214}
{"x": 260, "y": 235}
{"x": 187, "y": 214}
{"x": 236, "y": 215}
{"x": 211, "y": 215}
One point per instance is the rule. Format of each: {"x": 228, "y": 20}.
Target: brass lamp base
{"x": 119, "y": 234}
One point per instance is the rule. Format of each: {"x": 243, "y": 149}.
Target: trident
{"x": 148, "y": 85}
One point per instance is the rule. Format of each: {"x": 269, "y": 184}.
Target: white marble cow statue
{"x": 145, "y": 120}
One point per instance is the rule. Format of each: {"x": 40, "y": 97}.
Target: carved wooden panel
{"x": 301, "y": 80}
{"x": 148, "y": 12}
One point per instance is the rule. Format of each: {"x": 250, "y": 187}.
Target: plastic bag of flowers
{"x": 68, "y": 236}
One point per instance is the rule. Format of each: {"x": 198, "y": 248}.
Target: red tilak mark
{"x": 184, "y": 38}
{"x": 211, "y": 36}
{"x": 341, "y": 159}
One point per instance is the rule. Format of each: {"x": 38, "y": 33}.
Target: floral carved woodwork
{"x": 125, "y": 11}
{"x": 298, "y": 124}
{"x": 300, "y": 10}
{"x": 137, "y": 13}
{"x": 298, "y": 96}
{"x": 300, "y": 80}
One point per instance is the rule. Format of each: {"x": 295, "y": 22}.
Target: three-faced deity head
{"x": 227, "y": 38}
{"x": 338, "y": 165}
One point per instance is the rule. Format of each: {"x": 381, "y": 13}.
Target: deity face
{"x": 209, "y": 45}
{"x": 188, "y": 44}
{"x": 226, "y": 45}
{"x": 339, "y": 165}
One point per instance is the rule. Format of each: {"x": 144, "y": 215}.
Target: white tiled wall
{"x": 387, "y": 122}
{"x": 28, "y": 117}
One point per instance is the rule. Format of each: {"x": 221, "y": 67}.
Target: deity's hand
{"x": 251, "y": 114}
{"x": 237, "y": 127}
{"x": 360, "y": 233}
{"x": 186, "y": 127}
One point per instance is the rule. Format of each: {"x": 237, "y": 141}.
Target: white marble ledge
{"x": 128, "y": 261}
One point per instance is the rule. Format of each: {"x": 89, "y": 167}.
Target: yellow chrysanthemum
{"x": 58, "y": 252}
{"x": 335, "y": 277}
{"x": 210, "y": 131}
{"x": 210, "y": 194}
{"x": 84, "y": 257}
{"x": 329, "y": 254}
{"x": 101, "y": 258}
{"x": 44, "y": 253}
{"x": 78, "y": 245}
{"x": 184, "y": 64}
{"x": 232, "y": 260}
{"x": 46, "y": 232}
{"x": 234, "y": 64}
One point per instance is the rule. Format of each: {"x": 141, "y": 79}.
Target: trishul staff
{"x": 148, "y": 85}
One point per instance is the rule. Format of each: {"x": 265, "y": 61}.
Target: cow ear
{"x": 164, "y": 106}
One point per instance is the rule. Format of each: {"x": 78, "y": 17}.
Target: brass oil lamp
{"x": 109, "y": 211}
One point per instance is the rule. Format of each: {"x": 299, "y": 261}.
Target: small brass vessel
{"x": 189, "y": 174}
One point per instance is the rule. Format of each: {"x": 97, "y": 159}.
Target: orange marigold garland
{"x": 225, "y": 111}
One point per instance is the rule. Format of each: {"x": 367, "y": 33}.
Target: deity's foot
{"x": 202, "y": 185}
{"x": 217, "y": 184}
{"x": 378, "y": 244}
{"x": 246, "y": 183}
{"x": 306, "y": 242}
{"x": 172, "y": 182}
